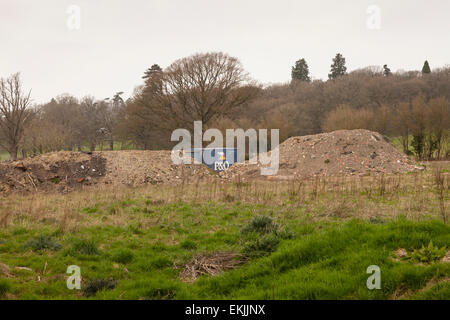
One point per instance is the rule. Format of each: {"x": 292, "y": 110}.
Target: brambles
{"x": 43, "y": 243}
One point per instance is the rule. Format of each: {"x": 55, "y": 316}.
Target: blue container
{"x": 218, "y": 159}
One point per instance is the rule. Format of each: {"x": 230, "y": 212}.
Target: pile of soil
{"x": 135, "y": 168}
{"x": 61, "y": 171}
{"x": 342, "y": 152}
{"x": 68, "y": 171}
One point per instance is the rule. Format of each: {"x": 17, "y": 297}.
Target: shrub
{"x": 43, "y": 243}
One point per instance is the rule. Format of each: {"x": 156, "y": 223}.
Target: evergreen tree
{"x": 300, "y": 71}
{"x": 426, "y": 68}
{"x": 150, "y": 71}
{"x": 387, "y": 72}
{"x": 338, "y": 67}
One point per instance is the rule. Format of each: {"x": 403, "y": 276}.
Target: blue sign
{"x": 218, "y": 159}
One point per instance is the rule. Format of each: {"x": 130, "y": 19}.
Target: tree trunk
{"x": 13, "y": 152}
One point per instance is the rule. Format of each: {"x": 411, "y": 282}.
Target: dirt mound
{"x": 134, "y": 168}
{"x": 342, "y": 152}
{"x": 59, "y": 171}
{"x": 67, "y": 171}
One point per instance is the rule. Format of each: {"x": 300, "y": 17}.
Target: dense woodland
{"x": 412, "y": 106}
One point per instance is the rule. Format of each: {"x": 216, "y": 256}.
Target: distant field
{"x": 299, "y": 240}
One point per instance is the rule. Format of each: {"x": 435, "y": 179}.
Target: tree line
{"x": 216, "y": 89}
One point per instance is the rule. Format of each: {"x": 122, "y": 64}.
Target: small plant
{"x": 55, "y": 180}
{"x": 83, "y": 246}
{"x": 327, "y": 161}
{"x": 43, "y": 243}
{"x": 123, "y": 256}
{"x": 261, "y": 225}
{"x": 96, "y": 285}
{"x": 429, "y": 254}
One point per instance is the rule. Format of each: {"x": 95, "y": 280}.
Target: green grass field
{"x": 312, "y": 242}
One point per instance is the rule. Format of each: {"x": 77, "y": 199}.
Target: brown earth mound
{"x": 342, "y": 152}
{"x": 61, "y": 171}
{"x": 67, "y": 171}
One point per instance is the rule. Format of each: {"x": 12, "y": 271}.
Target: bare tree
{"x": 199, "y": 87}
{"x": 14, "y": 113}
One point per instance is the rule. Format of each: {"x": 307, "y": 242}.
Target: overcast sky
{"x": 118, "y": 39}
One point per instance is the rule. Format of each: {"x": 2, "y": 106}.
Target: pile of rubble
{"x": 67, "y": 171}
{"x": 61, "y": 171}
{"x": 342, "y": 152}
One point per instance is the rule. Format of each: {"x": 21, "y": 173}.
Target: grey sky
{"x": 119, "y": 39}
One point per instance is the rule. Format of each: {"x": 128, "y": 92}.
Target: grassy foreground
{"x": 297, "y": 240}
